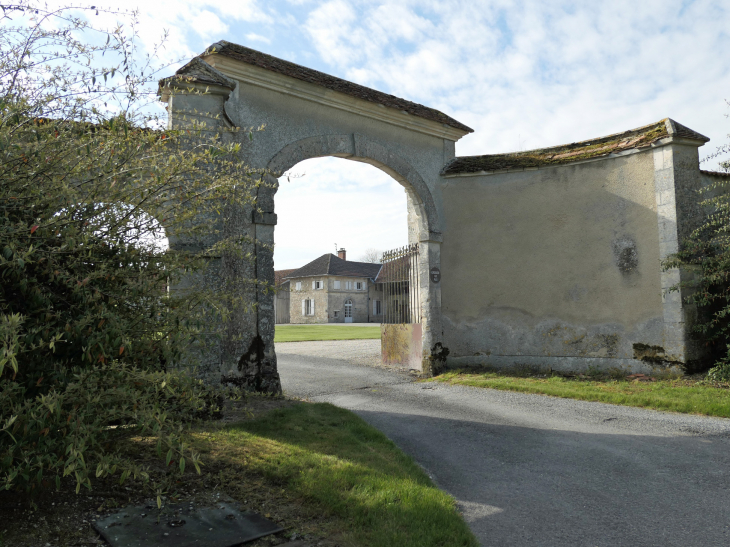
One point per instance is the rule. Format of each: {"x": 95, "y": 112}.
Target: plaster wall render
{"x": 554, "y": 267}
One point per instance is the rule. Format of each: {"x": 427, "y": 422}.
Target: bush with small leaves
{"x": 90, "y": 182}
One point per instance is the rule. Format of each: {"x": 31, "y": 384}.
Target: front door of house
{"x": 348, "y": 311}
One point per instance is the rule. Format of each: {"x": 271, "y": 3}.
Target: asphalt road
{"x": 534, "y": 470}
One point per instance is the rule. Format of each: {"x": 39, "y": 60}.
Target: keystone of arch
{"x": 358, "y": 148}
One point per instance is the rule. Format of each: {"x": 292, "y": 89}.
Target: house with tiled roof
{"x": 330, "y": 289}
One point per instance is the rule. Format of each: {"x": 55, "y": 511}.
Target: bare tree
{"x": 371, "y": 255}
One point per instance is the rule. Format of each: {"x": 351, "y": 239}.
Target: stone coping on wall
{"x": 614, "y": 145}
{"x": 293, "y": 70}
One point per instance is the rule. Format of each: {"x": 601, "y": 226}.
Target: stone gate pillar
{"x": 429, "y": 281}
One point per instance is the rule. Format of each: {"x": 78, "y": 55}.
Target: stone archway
{"x": 309, "y": 114}
{"x": 358, "y": 148}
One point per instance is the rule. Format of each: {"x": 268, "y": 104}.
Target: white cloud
{"x": 252, "y": 37}
{"x": 535, "y": 72}
{"x": 522, "y": 73}
{"x": 192, "y": 24}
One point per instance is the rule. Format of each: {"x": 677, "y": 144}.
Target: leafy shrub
{"x": 75, "y": 428}
{"x": 706, "y": 255}
{"x": 720, "y": 372}
{"x": 89, "y": 181}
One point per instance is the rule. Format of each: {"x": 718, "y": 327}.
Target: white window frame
{"x": 358, "y": 285}
{"x": 299, "y": 285}
{"x": 348, "y": 304}
{"x": 348, "y": 285}
{"x": 337, "y": 284}
{"x": 308, "y": 307}
{"x": 318, "y": 285}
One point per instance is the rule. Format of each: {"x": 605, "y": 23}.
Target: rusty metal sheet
{"x": 401, "y": 345}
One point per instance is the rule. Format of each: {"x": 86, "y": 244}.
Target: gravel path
{"x": 535, "y": 470}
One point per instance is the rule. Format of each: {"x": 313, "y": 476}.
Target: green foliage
{"x": 706, "y": 254}
{"x": 720, "y": 373}
{"x": 90, "y": 185}
{"x": 75, "y": 427}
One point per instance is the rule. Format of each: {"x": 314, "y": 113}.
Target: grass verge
{"x": 318, "y": 471}
{"x": 333, "y": 460}
{"x": 689, "y": 396}
{"x": 305, "y": 333}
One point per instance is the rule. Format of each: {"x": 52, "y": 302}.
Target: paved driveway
{"x": 535, "y": 470}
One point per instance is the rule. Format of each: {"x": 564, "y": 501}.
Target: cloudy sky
{"x": 523, "y": 74}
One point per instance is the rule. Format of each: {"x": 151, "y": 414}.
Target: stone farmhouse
{"x": 330, "y": 289}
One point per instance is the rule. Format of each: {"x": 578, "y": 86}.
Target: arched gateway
{"x": 550, "y": 257}
{"x": 308, "y": 114}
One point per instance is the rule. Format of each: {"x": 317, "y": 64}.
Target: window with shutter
{"x": 304, "y": 307}
{"x": 312, "y": 311}
{"x": 337, "y": 284}
{"x": 299, "y": 285}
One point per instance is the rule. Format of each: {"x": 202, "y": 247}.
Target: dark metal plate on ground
{"x": 184, "y": 525}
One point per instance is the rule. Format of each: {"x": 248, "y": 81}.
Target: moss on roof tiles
{"x": 293, "y": 70}
{"x": 197, "y": 70}
{"x": 568, "y": 153}
{"x": 718, "y": 174}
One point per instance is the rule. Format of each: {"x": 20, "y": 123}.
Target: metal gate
{"x": 400, "y": 332}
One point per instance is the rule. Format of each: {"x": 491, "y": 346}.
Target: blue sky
{"x": 523, "y": 74}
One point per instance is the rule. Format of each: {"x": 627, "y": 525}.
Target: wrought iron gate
{"x": 401, "y": 334}
{"x": 399, "y": 277}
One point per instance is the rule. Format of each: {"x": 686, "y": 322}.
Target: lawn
{"x": 304, "y": 333}
{"x": 674, "y": 394}
{"x": 319, "y": 471}
{"x": 343, "y": 469}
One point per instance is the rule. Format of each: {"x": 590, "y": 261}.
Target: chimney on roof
{"x": 342, "y": 253}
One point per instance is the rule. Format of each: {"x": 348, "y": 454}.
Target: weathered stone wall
{"x": 375, "y": 294}
{"x": 557, "y": 266}
{"x": 301, "y": 122}
{"x": 337, "y": 298}
{"x": 561, "y": 266}
{"x": 281, "y": 304}
{"x": 308, "y": 292}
